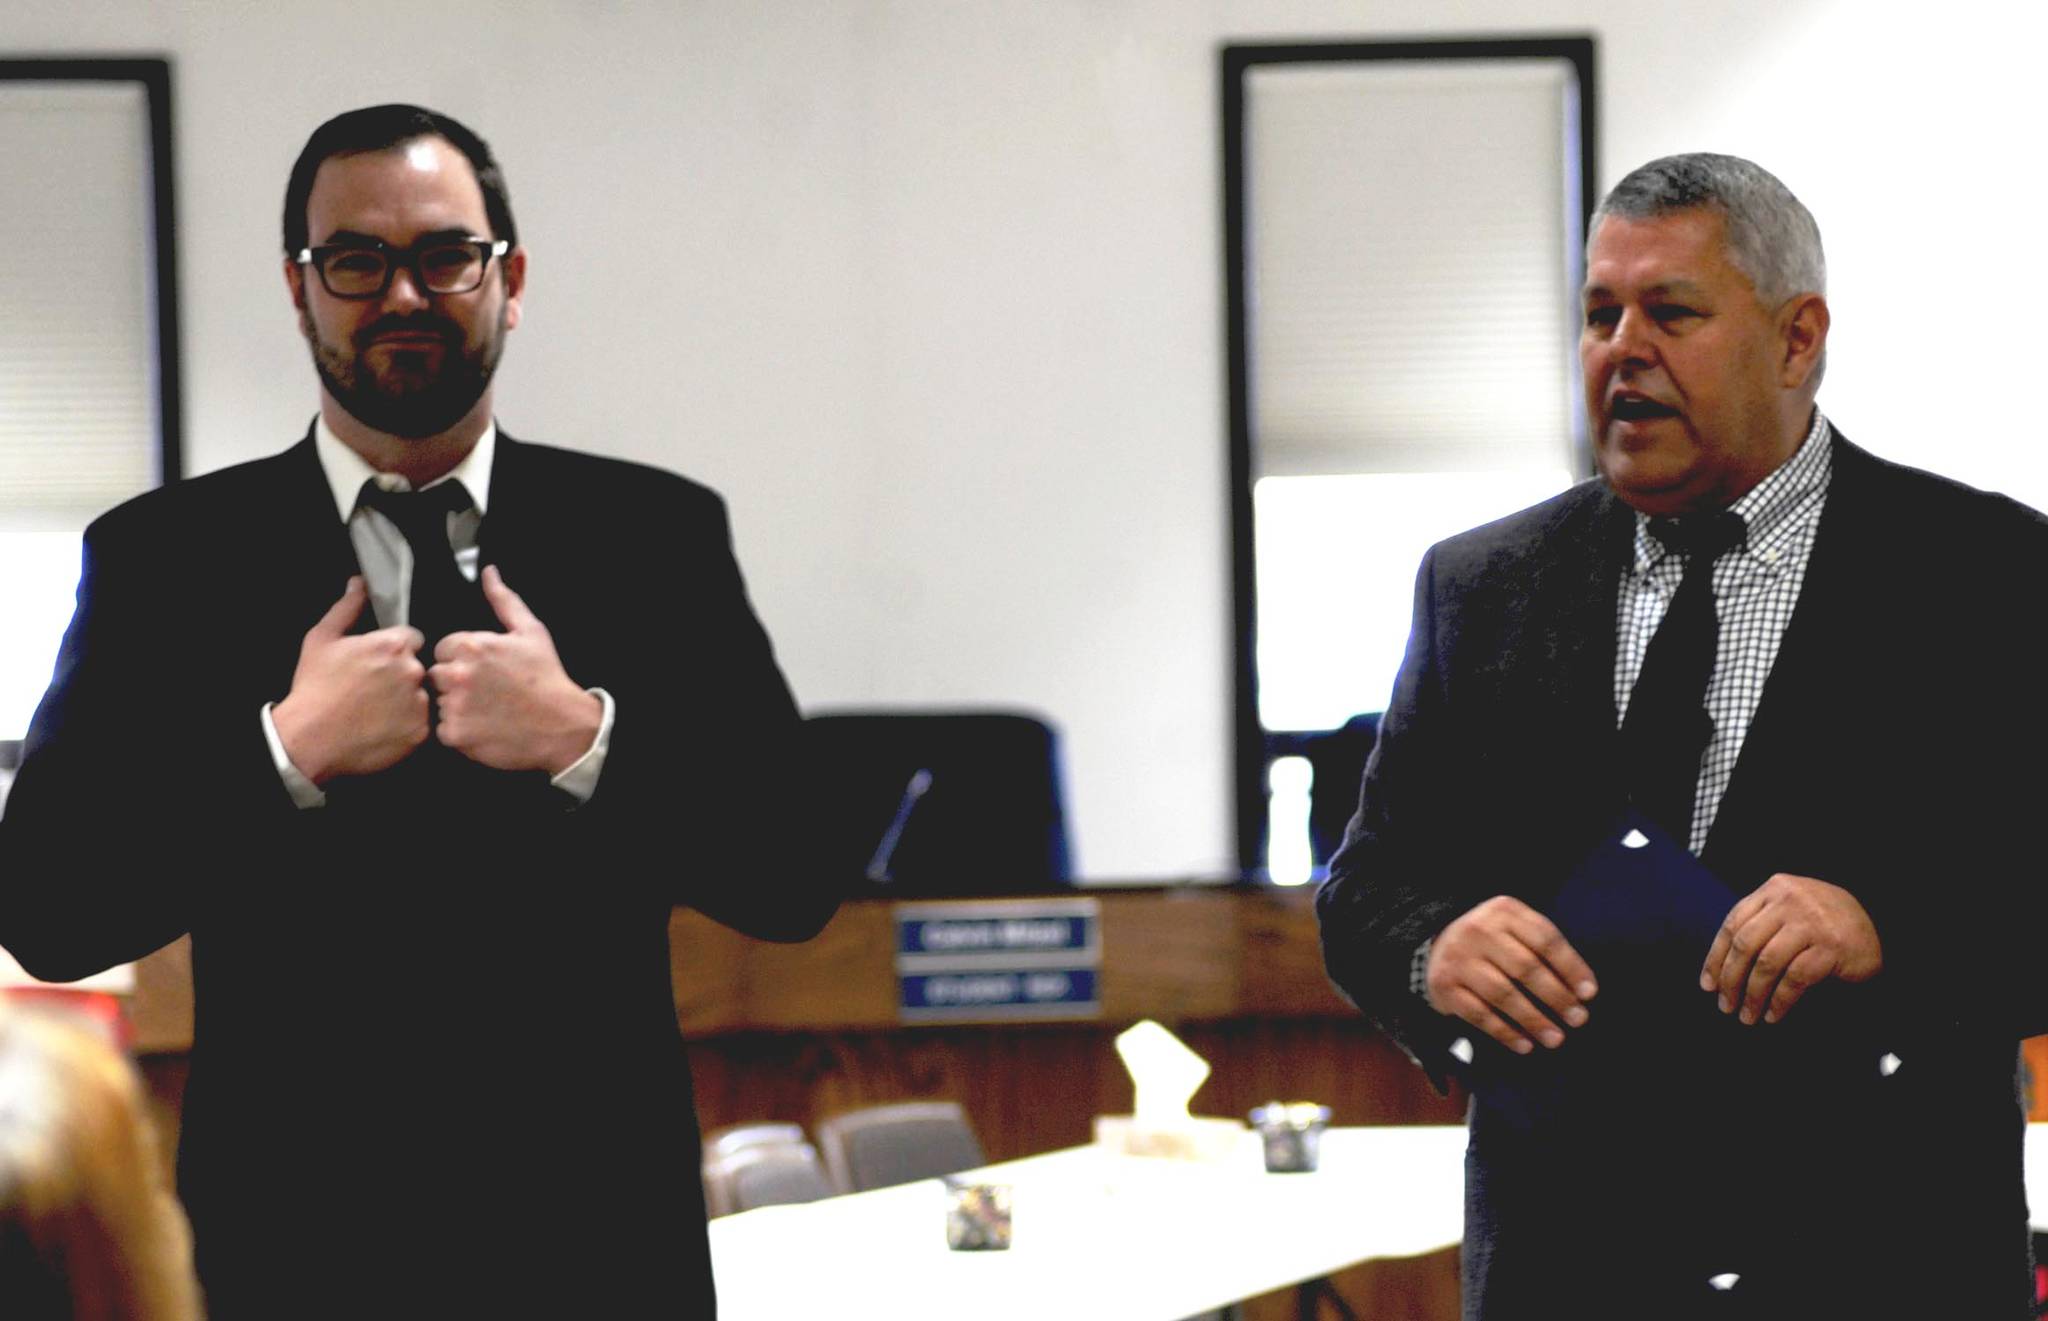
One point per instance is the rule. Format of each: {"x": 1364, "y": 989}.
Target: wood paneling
{"x": 1174, "y": 955}
{"x": 161, "y": 1011}
{"x": 1038, "y": 1086}
{"x": 798, "y": 1033}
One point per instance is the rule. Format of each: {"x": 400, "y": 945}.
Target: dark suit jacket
{"x": 437, "y": 1066}
{"x": 1896, "y": 752}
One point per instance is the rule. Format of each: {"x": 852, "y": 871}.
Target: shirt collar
{"x": 346, "y": 471}
{"x": 1774, "y": 505}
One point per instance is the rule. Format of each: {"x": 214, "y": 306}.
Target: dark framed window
{"x": 1403, "y": 233}
{"x": 90, "y": 405}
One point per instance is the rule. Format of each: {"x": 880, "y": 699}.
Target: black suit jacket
{"x": 1896, "y": 753}
{"x": 436, "y": 1039}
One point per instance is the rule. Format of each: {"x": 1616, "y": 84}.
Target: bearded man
{"x": 421, "y": 732}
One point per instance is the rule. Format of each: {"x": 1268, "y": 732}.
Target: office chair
{"x": 723, "y": 1142}
{"x": 885, "y": 1145}
{"x": 929, "y": 804}
{"x": 722, "y": 1145}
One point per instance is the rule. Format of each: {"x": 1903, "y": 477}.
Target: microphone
{"x": 878, "y": 866}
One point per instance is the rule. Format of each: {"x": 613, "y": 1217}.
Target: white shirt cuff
{"x": 579, "y": 778}
{"x": 303, "y": 791}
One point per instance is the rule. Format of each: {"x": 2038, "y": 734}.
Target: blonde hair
{"x": 88, "y": 1229}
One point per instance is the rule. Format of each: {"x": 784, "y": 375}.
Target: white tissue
{"x": 1164, "y": 1074}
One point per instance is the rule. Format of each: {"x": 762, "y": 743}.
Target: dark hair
{"x": 379, "y": 128}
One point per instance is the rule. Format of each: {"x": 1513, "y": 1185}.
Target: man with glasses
{"x": 420, "y": 731}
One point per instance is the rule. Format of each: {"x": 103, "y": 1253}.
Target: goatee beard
{"x": 411, "y": 404}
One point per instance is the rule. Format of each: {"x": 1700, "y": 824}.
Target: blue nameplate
{"x": 988, "y": 959}
{"x": 1036, "y": 993}
{"x": 994, "y": 935}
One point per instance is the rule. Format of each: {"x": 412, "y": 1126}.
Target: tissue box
{"x": 1194, "y": 1138}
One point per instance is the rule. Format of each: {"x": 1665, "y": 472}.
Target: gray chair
{"x": 886, "y": 1145}
{"x": 721, "y": 1145}
{"x": 723, "y": 1142}
{"x": 775, "y": 1174}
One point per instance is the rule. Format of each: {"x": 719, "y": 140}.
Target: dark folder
{"x": 1642, "y": 911}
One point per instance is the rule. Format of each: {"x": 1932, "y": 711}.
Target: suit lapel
{"x": 1529, "y": 635}
{"x": 310, "y": 557}
{"x": 1572, "y": 603}
{"x": 1816, "y": 661}
{"x": 513, "y": 528}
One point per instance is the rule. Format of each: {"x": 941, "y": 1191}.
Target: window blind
{"x": 1407, "y": 263}
{"x": 79, "y": 414}
{"x": 78, "y": 361}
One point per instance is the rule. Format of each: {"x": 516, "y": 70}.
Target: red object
{"x": 100, "y": 1008}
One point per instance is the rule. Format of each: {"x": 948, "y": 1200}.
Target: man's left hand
{"x": 505, "y": 700}
{"x": 1788, "y": 935}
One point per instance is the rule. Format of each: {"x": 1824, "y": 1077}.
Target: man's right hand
{"x": 357, "y": 704}
{"x": 1496, "y": 964}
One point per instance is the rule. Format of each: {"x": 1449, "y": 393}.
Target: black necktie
{"x": 443, "y": 601}
{"x": 1667, "y": 728}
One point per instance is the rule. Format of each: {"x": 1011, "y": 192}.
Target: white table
{"x": 1101, "y": 1235}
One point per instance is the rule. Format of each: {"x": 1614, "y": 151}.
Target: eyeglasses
{"x": 438, "y": 266}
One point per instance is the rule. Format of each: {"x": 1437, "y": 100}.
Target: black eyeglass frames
{"x": 438, "y": 266}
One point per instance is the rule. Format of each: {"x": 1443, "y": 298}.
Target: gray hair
{"x": 1771, "y": 236}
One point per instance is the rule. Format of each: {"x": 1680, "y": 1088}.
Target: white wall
{"x": 931, "y": 290}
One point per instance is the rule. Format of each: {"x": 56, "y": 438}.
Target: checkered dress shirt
{"x": 1755, "y": 588}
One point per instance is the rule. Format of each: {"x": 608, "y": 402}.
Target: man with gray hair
{"x": 1684, "y": 675}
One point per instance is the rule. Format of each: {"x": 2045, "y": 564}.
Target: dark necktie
{"x": 1667, "y": 728}
{"x": 442, "y": 600}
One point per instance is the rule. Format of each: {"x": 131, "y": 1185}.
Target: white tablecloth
{"x": 1100, "y": 1235}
